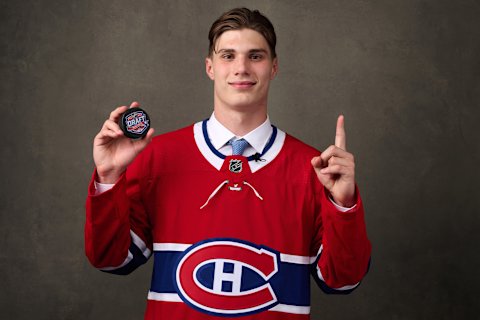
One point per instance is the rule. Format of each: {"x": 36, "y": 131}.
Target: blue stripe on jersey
{"x": 137, "y": 260}
{"x": 291, "y": 283}
{"x": 325, "y": 288}
{"x": 164, "y": 264}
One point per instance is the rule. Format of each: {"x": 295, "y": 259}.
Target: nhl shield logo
{"x": 235, "y": 166}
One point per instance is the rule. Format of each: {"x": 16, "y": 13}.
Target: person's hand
{"x": 112, "y": 151}
{"x": 335, "y": 168}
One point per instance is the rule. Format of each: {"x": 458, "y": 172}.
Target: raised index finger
{"x": 340, "y": 136}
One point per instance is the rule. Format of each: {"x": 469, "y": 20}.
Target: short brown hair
{"x": 242, "y": 18}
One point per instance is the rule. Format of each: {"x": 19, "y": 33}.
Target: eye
{"x": 227, "y": 56}
{"x": 256, "y": 56}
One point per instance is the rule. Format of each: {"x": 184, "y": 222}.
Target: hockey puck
{"x": 134, "y": 123}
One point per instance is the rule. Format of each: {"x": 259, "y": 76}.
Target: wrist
{"x": 108, "y": 178}
{"x": 346, "y": 201}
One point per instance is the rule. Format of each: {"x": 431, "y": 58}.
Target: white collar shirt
{"x": 221, "y": 136}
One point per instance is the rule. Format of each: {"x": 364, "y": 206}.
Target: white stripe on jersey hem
{"x": 169, "y": 297}
{"x": 290, "y": 258}
{"x": 291, "y": 309}
{"x": 320, "y": 276}
{"x": 127, "y": 260}
{"x": 347, "y": 287}
{"x": 218, "y": 162}
{"x": 170, "y": 246}
{"x": 140, "y": 244}
{"x": 173, "y": 297}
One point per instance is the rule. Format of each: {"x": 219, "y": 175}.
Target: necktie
{"x": 238, "y": 147}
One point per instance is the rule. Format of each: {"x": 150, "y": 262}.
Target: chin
{"x": 244, "y": 101}
{"x": 241, "y": 101}
{"x": 243, "y": 105}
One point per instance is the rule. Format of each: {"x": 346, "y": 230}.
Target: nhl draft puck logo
{"x": 227, "y": 277}
{"x": 235, "y": 165}
{"x": 135, "y": 123}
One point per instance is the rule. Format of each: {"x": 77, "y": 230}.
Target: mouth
{"x": 242, "y": 84}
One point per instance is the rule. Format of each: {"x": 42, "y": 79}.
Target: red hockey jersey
{"x": 231, "y": 236}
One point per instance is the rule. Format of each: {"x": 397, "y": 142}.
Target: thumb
{"x": 317, "y": 162}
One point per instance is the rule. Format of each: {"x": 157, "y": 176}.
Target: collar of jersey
{"x": 222, "y": 156}
{"x": 220, "y": 136}
{"x": 216, "y": 160}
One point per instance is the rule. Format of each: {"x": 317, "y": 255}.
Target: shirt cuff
{"x": 102, "y": 187}
{"x": 340, "y": 208}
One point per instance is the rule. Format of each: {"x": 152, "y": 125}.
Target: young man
{"x": 236, "y": 213}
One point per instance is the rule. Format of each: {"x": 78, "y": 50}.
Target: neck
{"x": 240, "y": 123}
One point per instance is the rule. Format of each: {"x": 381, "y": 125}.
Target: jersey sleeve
{"x": 117, "y": 229}
{"x": 341, "y": 244}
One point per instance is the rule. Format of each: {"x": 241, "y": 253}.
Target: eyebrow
{"x": 249, "y": 51}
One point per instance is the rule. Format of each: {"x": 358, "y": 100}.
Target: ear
{"x": 209, "y": 68}
{"x": 274, "y": 68}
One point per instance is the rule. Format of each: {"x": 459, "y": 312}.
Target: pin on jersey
{"x": 134, "y": 123}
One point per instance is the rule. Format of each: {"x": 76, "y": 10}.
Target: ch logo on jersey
{"x": 226, "y": 277}
{"x": 235, "y": 166}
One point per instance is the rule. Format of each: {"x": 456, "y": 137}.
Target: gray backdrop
{"x": 405, "y": 73}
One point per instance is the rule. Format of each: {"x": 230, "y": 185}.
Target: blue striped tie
{"x": 239, "y": 146}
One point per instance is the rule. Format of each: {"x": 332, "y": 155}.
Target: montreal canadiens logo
{"x": 226, "y": 277}
{"x": 136, "y": 122}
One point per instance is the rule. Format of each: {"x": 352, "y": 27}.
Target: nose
{"x": 242, "y": 65}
